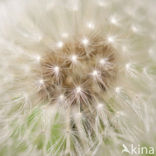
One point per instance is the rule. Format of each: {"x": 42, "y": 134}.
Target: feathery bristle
{"x": 77, "y": 77}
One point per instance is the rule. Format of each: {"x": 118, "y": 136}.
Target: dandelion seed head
{"x": 69, "y": 68}
{"x": 72, "y": 73}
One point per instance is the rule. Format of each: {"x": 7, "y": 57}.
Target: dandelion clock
{"x": 78, "y": 77}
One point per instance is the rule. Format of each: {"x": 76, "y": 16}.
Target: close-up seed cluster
{"x": 77, "y": 78}
{"x": 78, "y": 72}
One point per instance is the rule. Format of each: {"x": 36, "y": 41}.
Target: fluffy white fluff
{"x": 126, "y": 115}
